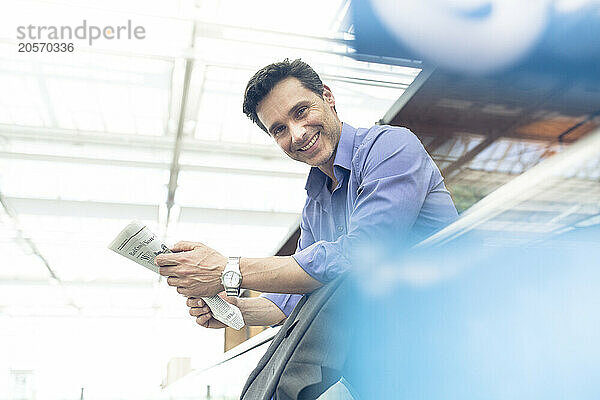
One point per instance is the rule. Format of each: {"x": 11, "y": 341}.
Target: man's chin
{"x": 318, "y": 161}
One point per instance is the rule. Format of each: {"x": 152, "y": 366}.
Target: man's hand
{"x": 257, "y": 311}
{"x": 195, "y": 269}
{"x": 204, "y": 317}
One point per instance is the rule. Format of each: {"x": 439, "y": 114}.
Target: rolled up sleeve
{"x": 285, "y": 302}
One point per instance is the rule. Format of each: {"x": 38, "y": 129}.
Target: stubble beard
{"x": 332, "y": 136}
{"x": 325, "y": 137}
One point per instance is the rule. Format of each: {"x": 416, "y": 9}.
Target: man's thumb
{"x": 230, "y": 299}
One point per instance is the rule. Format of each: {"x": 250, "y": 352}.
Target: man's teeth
{"x": 312, "y": 141}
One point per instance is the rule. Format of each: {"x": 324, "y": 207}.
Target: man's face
{"x": 305, "y": 126}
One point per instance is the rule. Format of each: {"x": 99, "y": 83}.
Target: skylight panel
{"x": 25, "y": 116}
{"x": 87, "y": 120}
{"x": 18, "y": 90}
{"x": 85, "y": 182}
{"x": 5, "y": 117}
{"x": 266, "y": 193}
{"x": 151, "y": 126}
{"x": 272, "y": 15}
{"x": 252, "y": 241}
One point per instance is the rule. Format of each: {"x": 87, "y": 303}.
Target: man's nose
{"x": 298, "y": 133}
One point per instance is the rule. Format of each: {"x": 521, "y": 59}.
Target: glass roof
{"x": 88, "y": 141}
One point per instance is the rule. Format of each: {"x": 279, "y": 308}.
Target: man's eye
{"x": 277, "y": 130}
{"x": 300, "y": 112}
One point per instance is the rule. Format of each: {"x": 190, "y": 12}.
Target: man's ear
{"x": 328, "y": 96}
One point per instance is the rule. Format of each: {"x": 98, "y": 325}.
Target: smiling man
{"x": 370, "y": 192}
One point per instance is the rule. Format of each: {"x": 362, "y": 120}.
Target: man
{"x": 370, "y": 192}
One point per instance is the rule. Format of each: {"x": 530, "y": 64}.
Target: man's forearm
{"x": 258, "y": 311}
{"x": 276, "y": 275}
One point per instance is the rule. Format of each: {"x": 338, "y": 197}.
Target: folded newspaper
{"x": 139, "y": 244}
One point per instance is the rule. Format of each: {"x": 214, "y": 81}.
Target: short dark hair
{"x": 266, "y": 78}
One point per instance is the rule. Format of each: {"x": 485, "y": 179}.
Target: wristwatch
{"x": 231, "y": 276}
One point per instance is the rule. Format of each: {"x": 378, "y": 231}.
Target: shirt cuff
{"x": 285, "y": 302}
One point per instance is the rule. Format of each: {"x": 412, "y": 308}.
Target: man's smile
{"x": 311, "y": 143}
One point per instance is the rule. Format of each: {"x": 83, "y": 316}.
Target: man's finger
{"x": 174, "y": 281}
{"x": 198, "y": 311}
{"x": 194, "y": 302}
{"x": 183, "y": 290}
{"x": 167, "y": 259}
{"x": 203, "y": 319}
{"x": 168, "y": 271}
{"x": 185, "y": 246}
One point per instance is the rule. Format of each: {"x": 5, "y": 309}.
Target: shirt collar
{"x": 343, "y": 158}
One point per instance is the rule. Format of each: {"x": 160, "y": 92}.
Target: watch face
{"x": 231, "y": 279}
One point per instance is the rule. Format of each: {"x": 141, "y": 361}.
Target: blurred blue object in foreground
{"x": 482, "y": 37}
{"x": 516, "y": 323}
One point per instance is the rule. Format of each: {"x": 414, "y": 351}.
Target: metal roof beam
{"x": 96, "y": 209}
{"x": 150, "y": 164}
{"x": 174, "y": 169}
{"x": 55, "y": 135}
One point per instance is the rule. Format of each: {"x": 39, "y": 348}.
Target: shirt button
{"x": 340, "y": 228}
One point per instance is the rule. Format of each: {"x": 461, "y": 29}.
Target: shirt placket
{"x": 338, "y": 206}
